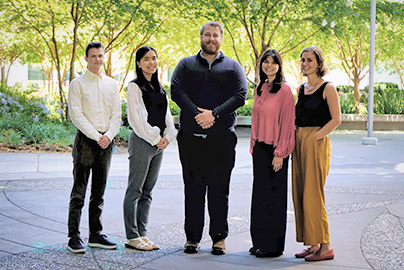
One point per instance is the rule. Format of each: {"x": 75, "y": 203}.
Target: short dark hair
{"x": 94, "y": 44}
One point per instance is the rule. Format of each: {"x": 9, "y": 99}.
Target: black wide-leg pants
{"x": 269, "y": 201}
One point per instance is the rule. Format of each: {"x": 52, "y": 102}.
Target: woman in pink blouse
{"x": 272, "y": 141}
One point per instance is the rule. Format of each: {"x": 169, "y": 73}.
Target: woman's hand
{"x": 277, "y": 162}
{"x": 162, "y": 144}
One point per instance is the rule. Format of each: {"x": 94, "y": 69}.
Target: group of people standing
{"x": 208, "y": 87}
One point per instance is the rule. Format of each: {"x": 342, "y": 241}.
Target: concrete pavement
{"x": 364, "y": 199}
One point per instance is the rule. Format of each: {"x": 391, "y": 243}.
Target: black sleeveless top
{"x": 155, "y": 102}
{"x": 312, "y": 110}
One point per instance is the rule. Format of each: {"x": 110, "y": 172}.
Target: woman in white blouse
{"x": 153, "y": 129}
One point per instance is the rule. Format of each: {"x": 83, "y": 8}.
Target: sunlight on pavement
{"x": 400, "y": 167}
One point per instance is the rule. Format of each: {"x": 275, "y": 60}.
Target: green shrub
{"x": 167, "y": 89}
{"x": 347, "y": 105}
{"x": 19, "y": 102}
{"x": 31, "y": 132}
{"x": 250, "y": 91}
{"x": 62, "y": 134}
{"x": 379, "y": 87}
{"x": 10, "y": 137}
{"x": 345, "y": 88}
{"x": 246, "y": 110}
{"x": 389, "y": 101}
{"x": 124, "y": 107}
{"x": 174, "y": 109}
{"x": 123, "y": 135}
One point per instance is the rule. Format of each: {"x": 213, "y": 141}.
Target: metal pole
{"x": 370, "y": 139}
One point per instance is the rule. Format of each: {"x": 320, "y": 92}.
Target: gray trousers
{"x": 144, "y": 166}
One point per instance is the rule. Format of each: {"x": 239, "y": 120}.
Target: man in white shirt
{"x": 95, "y": 109}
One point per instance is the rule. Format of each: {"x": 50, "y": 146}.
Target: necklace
{"x": 308, "y": 88}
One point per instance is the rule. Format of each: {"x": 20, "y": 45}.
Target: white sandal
{"x": 138, "y": 244}
{"x": 150, "y": 243}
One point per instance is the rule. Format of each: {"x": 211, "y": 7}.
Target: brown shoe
{"x": 191, "y": 247}
{"x": 317, "y": 257}
{"x": 304, "y": 253}
{"x": 219, "y": 248}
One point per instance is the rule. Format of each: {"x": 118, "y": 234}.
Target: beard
{"x": 207, "y": 50}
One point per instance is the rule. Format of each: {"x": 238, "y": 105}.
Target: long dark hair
{"x": 279, "y": 78}
{"x": 141, "y": 80}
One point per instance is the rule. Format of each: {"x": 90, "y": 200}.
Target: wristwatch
{"x": 215, "y": 114}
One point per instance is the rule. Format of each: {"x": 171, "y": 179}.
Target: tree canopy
{"x": 53, "y": 34}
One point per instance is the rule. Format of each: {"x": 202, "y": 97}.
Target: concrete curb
{"x": 349, "y": 121}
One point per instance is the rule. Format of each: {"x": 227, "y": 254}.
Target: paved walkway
{"x": 364, "y": 199}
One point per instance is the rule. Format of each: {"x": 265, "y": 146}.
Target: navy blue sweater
{"x": 221, "y": 87}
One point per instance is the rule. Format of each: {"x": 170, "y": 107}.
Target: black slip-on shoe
{"x": 101, "y": 241}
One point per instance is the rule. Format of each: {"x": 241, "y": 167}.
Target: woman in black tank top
{"x": 318, "y": 113}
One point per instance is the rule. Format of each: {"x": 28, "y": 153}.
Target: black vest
{"x": 155, "y": 101}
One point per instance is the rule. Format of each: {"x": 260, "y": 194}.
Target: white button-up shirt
{"x": 94, "y": 105}
{"x": 137, "y": 118}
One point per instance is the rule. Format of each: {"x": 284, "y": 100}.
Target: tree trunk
{"x": 8, "y": 73}
{"x": 128, "y": 67}
{"x": 356, "y": 82}
{"x": 75, "y": 14}
{"x": 257, "y": 65}
{"x": 399, "y": 69}
{"x": 108, "y": 70}
{"x": 2, "y": 71}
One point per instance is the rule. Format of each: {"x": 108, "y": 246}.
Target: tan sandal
{"x": 150, "y": 243}
{"x": 138, "y": 244}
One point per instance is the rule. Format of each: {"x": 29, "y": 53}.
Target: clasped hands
{"x": 205, "y": 119}
{"x": 104, "y": 141}
{"x": 162, "y": 144}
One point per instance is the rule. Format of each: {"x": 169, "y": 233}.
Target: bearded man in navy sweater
{"x": 208, "y": 87}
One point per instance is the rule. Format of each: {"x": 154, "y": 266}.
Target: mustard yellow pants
{"x": 310, "y": 166}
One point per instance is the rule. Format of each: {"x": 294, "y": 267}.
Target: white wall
{"x": 18, "y": 73}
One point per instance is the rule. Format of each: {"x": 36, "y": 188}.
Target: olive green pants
{"x": 310, "y": 166}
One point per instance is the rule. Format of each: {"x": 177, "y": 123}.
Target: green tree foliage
{"x": 392, "y": 54}
{"x": 283, "y": 25}
{"x": 53, "y": 34}
{"x": 46, "y": 19}
{"x": 11, "y": 44}
{"x": 352, "y": 35}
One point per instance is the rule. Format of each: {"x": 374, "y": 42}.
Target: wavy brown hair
{"x": 322, "y": 67}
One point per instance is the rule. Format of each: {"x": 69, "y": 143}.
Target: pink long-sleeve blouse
{"x": 273, "y": 120}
